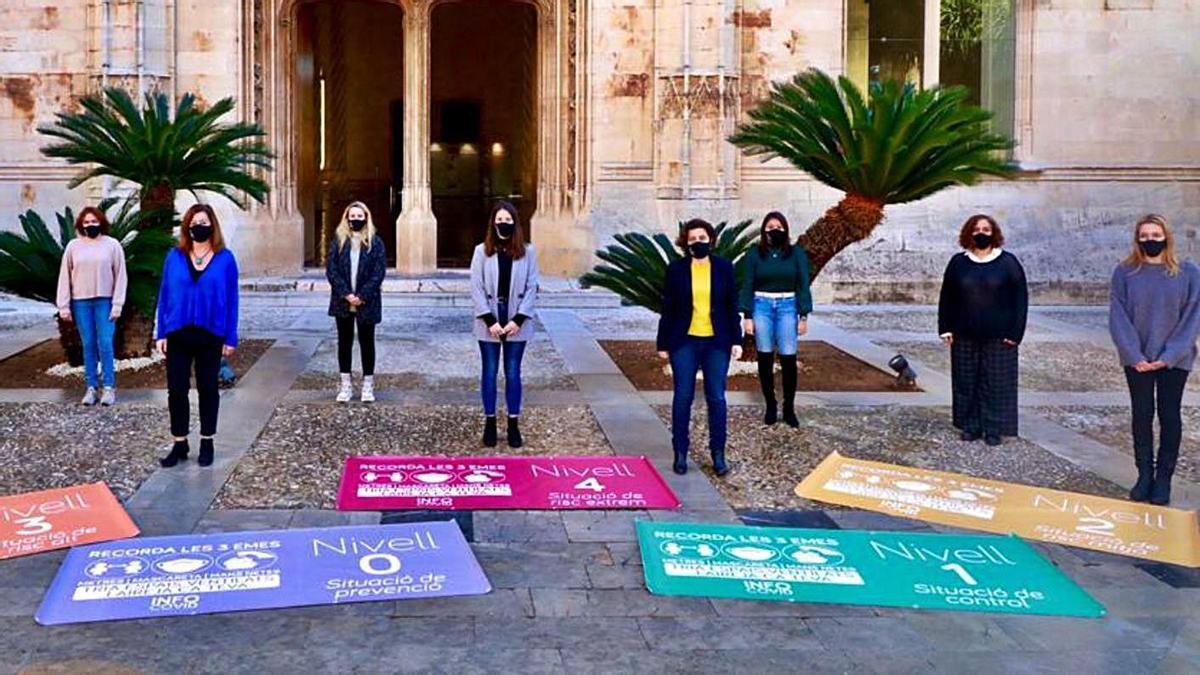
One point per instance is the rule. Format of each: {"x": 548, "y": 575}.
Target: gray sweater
{"x": 1153, "y": 316}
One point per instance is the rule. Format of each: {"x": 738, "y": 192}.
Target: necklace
{"x": 199, "y": 259}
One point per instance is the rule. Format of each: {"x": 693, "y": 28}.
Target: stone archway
{"x": 269, "y": 94}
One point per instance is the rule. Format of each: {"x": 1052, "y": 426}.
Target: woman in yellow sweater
{"x": 699, "y": 330}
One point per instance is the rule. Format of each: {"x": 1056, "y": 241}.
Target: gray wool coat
{"x": 522, "y": 294}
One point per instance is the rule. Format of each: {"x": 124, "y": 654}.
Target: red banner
{"x": 44, "y": 521}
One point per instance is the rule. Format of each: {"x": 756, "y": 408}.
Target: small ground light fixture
{"x": 905, "y": 375}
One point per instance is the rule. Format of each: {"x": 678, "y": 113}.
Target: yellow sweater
{"x": 701, "y": 325}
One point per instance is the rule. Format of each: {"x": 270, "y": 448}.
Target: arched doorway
{"x": 349, "y": 116}
{"x": 482, "y": 116}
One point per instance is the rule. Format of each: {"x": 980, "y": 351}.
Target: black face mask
{"x": 505, "y": 230}
{"x": 357, "y": 225}
{"x": 981, "y": 240}
{"x": 1153, "y": 247}
{"x": 200, "y": 233}
{"x": 700, "y": 249}
{"x": 91, "y": 231}
{"x": 776, "y": 237}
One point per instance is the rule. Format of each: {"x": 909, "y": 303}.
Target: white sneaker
{"x": 89, "y": 397}
{"x": 368, "y": 390}
{"x": 109, "y": 396}
{"x": 345, "y": 393}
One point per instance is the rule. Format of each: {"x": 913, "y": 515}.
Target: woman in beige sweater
{"x": 91, "y": 292}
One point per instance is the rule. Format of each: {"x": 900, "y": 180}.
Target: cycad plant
{"x": 635, "y": 267}
{"x": 29, "y": 267}
{"x": 900, "y": 144}
{"x": 160, "y": 150}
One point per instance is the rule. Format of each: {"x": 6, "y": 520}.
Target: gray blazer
{"x": 522, "y": 293}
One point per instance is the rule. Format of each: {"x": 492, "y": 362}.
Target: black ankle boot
{"x": 514, "y": 433}
{"x": 719, "y": 466}
{"x": 680, "y": 465}
{"x": 489, "y": 431}
{"x": 1145, "y": 480}
{"x": 179, "y": 453}
{"x": 206, "y": 452}
{"x": 789, "y": 366}
{"x": 766, "y": 379}
{"x": 1164, "y": 470}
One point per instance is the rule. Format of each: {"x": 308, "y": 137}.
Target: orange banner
{"x": 43, "y": 521}
{"x": 1069, "y": 518}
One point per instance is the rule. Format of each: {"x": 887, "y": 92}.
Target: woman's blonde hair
{"x": 343, "y": 231}
{"x": 1137, "y": 258}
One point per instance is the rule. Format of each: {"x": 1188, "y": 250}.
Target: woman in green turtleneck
{"x": 775, "y": 303}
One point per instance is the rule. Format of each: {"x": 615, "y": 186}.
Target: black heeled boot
{"x": 789, "y": 366}
{"x": 179, "y": 453}
{"x": 1164, "y": 471}
{"x": 766, "y": 378}
{"x": 1145, "y": 480}
{"x": 514, "y": 433}
{"x": 680, "y": 465}
{"x": 489, "y": 431}
{"x": 206, "y": 452}
{"x": 720, "y": 468}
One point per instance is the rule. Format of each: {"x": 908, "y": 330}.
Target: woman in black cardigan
{"x": 355, "y": 268}
{"x": 981, "y": 317}
{"x": 699, "y": 329}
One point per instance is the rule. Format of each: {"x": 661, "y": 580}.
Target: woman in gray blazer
{"x": 504, "y": 281}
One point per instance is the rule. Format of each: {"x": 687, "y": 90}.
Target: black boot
{"x": 1160, "y": 492}
{"x": 680, "y": 465}
{"x": 789, "y": 367}
{"x": 1145, "y": 481}
{"x": 206, "y": 452}
{"x": 179, "y": 453}
{"x": 719, "y": 466}
{"x": 514, "y": 433}
{"x": 766, "y": 378}
{"x": 489, "y": 431}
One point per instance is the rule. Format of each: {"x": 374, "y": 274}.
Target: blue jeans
{"x": 699, "y": 354}
{"x": 490, "y": 355}
{"x": 96, "y": 332}
{"x": 775, "y": 325}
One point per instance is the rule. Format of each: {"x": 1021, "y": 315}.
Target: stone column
{"x": 416, "y": 227}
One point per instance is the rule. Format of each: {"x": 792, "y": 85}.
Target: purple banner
{"x": 229, "y": 572}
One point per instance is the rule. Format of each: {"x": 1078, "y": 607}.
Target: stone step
{"x": 449, "y": 290}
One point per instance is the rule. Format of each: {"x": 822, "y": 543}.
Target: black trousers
{"x": 366, "y": 344}
{"x": 983, "y": 375}
{"x": 189, "y": 348}
{"x": 1160, "y": 390}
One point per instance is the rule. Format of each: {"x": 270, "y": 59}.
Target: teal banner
{"x": 973, "y": 573}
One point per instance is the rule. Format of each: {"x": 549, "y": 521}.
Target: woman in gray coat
{"x": 504, "y": 281}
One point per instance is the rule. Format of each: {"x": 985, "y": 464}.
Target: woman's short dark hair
{"x": 105, "y": 226}
{"x": 964, "y": 234}
{"x": 695, "y": 224}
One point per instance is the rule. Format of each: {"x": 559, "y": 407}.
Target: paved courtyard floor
{"x": 569, "y": 594}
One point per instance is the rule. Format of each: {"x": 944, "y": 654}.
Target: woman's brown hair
{"x": 695, "y": 224}
{"x": 185, "y": 235}
{"x": 105, "y": 226}
{"x": 964, "y": 234}
{"x": 514, "y": 246}
{"x": 1137, "y": 258}
{"x": 764, "y": 246}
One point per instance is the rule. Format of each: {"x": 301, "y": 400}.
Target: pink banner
{"x": 455, "y": 483}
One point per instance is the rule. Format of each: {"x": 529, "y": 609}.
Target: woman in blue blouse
{"x": 197, "y": 325}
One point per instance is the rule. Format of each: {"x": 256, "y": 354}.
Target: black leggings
{"x": 185, "y": 347}
{"x": 1169, "y": 384}
{"x": 366, "y": 344}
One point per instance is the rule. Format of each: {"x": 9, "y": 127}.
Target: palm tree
{"x": 161, "y": 153}
{"x": 901, "y": 145}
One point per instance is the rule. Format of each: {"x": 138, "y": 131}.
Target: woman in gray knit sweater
{"x": 1154, "y": 317}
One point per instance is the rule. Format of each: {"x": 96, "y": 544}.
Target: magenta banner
{"x": 456, "y": 483}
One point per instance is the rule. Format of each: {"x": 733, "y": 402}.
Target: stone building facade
{"x": 600, "y": 116}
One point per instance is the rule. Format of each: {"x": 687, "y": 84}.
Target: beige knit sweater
{"x": 92, "y": 268}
